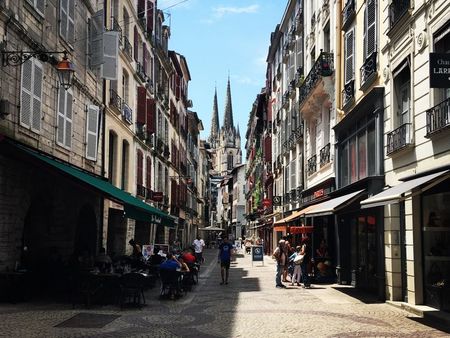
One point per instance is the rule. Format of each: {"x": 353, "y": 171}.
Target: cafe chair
{"x": 132, "y": 289}
{"x": 170, "y": 283}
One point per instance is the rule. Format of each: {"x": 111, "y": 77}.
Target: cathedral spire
{"x": 228, "y": 117}
{"x": 215, "y": 118}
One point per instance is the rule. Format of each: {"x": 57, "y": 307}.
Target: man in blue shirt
{"x": 171, "y": 263}
{"x": 225, "y": 250}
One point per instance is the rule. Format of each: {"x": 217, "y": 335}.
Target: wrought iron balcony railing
{"x": 292, "y": 89}
{"x": 287, "y": 198}
{"x": 399, "y": 138}
{"x": 322, "y": 67}
{"x": 127, "y": 47}
{"x": 312, "y": 165}
{"x": 293, "y": 194}
{"x": 298, "y": 132}
{"x": 140, "y": 71}
{"x": 115, "y": 26}
{"x": 115, "y": 100}
{"x": 127, "y": 113}
{"x": 438, "y": 118}
{"x": 348, "y": 94}
{"x": 324, "y": 155}
{"x": 368, "y": 69}
{"x": 348, "y": 14}
{"x": 140, "y": 190}
{"x": 397, "y": 9}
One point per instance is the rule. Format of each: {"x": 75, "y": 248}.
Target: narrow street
{"x": 249, "y": 305}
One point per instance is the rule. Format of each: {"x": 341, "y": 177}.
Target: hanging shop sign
{"x": 276, "y": 201}
{"x": 157, "y": 196}
{"x": 266, "y": 202}
{"x": 439, "y": 70}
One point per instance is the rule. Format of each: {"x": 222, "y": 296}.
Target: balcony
{"x": 299, "y": 78}
{"x": 293, "y": 194}
{"x": 317, "y": 86}
{"x": 399, "y": 138}
{"x": 141, "y": 131}
{"x": 324, "y": 155}
{"x": 285, "y": 99}
{"x": 128, "y": 50}
{"x": 298, "y": 132}
{"x": 115, "y": 101}
{"x": 140, "y": 71}
{"x": 299, "y": 20}
{"x": 292, "y": 89}
{"x": 397, "y": 9}
{"x": 348, "y": 14}
{"x": 368, "y": 71}
{"x": 278, "y": 74}
{"x": 115, "y": 26}
{"x": 312, "y": 165}
{"x": 348, "y": 94}
{"x": 438, "y": 118}
{"x": 127, "y": 113}
{"x": 287, "y": 198}
{"x": 140, "y": 190}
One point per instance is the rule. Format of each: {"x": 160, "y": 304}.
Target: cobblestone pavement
{"x": 249, "y": 305}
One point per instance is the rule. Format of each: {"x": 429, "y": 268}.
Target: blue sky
{"x": 218, "y": 37}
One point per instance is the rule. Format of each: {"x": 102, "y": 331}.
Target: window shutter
{"x": 151, "y": 112}
{"x": 141, "y": 104}
{"x": 144, "y": 57}
{"x": 40, "y": 6}
{"x": 141, "y": 8}
{"x": 177, "y": 86}
{"x": 140, "y": 164}
{"x": 349, "y": 56}
{"x": 25, "y": 99}
{"x": 371, "y": 32}
{"x": 149, "y": 173}
{"x": 149, "y": 16}
{"x": 63, "y": 17}
{"x": 71, "y": 22}
{"x": 37, "y": 96}
{"x": 97, "y": 29}
{"x": 93, "y": 115}
{"x": 61, "y": 116}
{"x": 136, "y": 45}
{"x": 68, "y": 128}
{"x": 110, "y": 55}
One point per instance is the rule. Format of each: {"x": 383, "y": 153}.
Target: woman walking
{"x": 306, "y": 252}
{"x": 297, "y": 260}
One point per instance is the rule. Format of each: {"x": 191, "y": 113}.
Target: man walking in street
{"x": 224, "y": 258}
{"x": 199, "y": 244}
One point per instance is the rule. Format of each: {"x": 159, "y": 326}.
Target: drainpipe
{"x": 337, "y": 63}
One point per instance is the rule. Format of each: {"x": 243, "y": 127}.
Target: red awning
{"x": 301, "y": 229}
{"x": 280, "y": 228}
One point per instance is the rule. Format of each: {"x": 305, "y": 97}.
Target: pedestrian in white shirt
{"x": 199, "y": 244}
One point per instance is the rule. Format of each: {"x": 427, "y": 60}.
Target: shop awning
{"x": 301, "y": 229}
{"x": 395, "y": 194}
{"x": 295, "y": 215}
{"x": 133, "y": 207}
{"x": 331, "y": 206}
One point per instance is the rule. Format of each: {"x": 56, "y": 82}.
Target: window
{"x": 89, "y": 44}
{"x": 31, "y": 95}
{"x": 125, "y": 88}
{"x": 64, "y": 128}
{"x": 66, "y": 17}
{"x": 349, "y": 65}
{"x": 287, "y": 178}
{"x": 125, "y": 160}
{"x": 312, "y": 137}
{"x": 148, "y": 172}
{"x": 402, "y": 87}
{"x": 326, "y": 38}
{"x": 140, "y": 169}
{"x": 92, "y": 132}
{"x": 442, "y": 45}
{"x": 39, "y": 5}
{"x": 293, "y": 174}
{"x": 370, "y": 30}
{"x": 112, "y": 157}
{"x": 230, "y": 161}
{"x": 326, "y": 126}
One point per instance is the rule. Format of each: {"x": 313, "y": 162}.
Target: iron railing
{"x": 324, "y": 155}
{"x": 115, "y": 100}
{"x": 140, "y": 71}
{"x": 348, "y": 14}
{"x": 127, "y": 47}
{"x": 140, "y": 190}
{"x": 348, "y": 94}
{"x": 115, "y": 26}
{"x": 285, "y": 99}
{"x": 127, "y": 113}
{"x": 397, "y": 9}
{"x": 322, "y": 67}
{"x": 312, "y": 165}
{"x": 438, "y": 118}
{"x": 399, "y": 138}
{"x": 368, "y": 69}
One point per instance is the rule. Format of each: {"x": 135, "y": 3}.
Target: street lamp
{"x": 64, "y": 67}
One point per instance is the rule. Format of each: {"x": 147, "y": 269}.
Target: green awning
{"x": 134, "y": 207}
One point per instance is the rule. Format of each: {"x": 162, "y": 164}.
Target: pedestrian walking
{"x": 296, "y": 258}
{"x": 288, "y": 251}
{"x": 199, "y": 244}
{"x": 280, "y": 256}
{"x": 224, "y": 258}
{"x": 306, "y": 252}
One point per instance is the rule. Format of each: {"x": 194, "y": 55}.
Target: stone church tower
{"x": 225, "y": 141}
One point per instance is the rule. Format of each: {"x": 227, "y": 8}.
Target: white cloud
{"x": 223, "y": 10}
{"x": 246, "y": 80}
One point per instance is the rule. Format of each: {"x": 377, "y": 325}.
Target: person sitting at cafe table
{"x": 137, "y": 251}
{"x": 102, "y": 260}
{"x": 171, "y": 263}
{"x": 184, "y": 266}
{"x": 188, "y": 257}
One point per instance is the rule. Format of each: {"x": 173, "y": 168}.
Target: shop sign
{"x": 266, "y": 202}
{"x": 257, "y": 253}
{"x": 439, "y": 70}
{"x": 157, "y": 196}
{"x": 319, "y": 193}
{"x": 276, "y": 200}
{"x": 155, "y": 219}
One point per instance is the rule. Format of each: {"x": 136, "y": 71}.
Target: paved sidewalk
{"x": 249, "y": 305}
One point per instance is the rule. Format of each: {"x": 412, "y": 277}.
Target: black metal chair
{"x": 170, "y": 283}
{"x": 132, "y": 289}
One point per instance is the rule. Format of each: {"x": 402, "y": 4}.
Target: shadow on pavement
{"x": 361, "y": 295}
{"x": 432, "y": 322}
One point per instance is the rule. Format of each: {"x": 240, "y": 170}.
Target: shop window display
{"x": 436, "y": 246}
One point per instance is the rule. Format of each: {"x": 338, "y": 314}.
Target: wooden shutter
{"x": 92, "y": 120}
{"x": 97, "y": 29}
{"x": 61, "y": 116}
{"x": 109, "y": 68}
{"x": 37, "y": 96}
{"x": 177, "y": 86}
{"x": 349, "y": 56}
{"x": 144, "y": 57}
{"x": 64, "y": 128}
{"x": 149, "y": 172}
{"x": 150, "y": 16}
{"x": 71, "y": 22}
{"x": 141, "y": 104}
{"x": 370, "y": 38}
{"x": 26, "y": 95}
{"x": 151, "y": 112}
{"x": 63, "y": 18}
{"x": 136, "y": 45}
{"x": 268, "y": 149}
{"x": 140, "y": 165}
